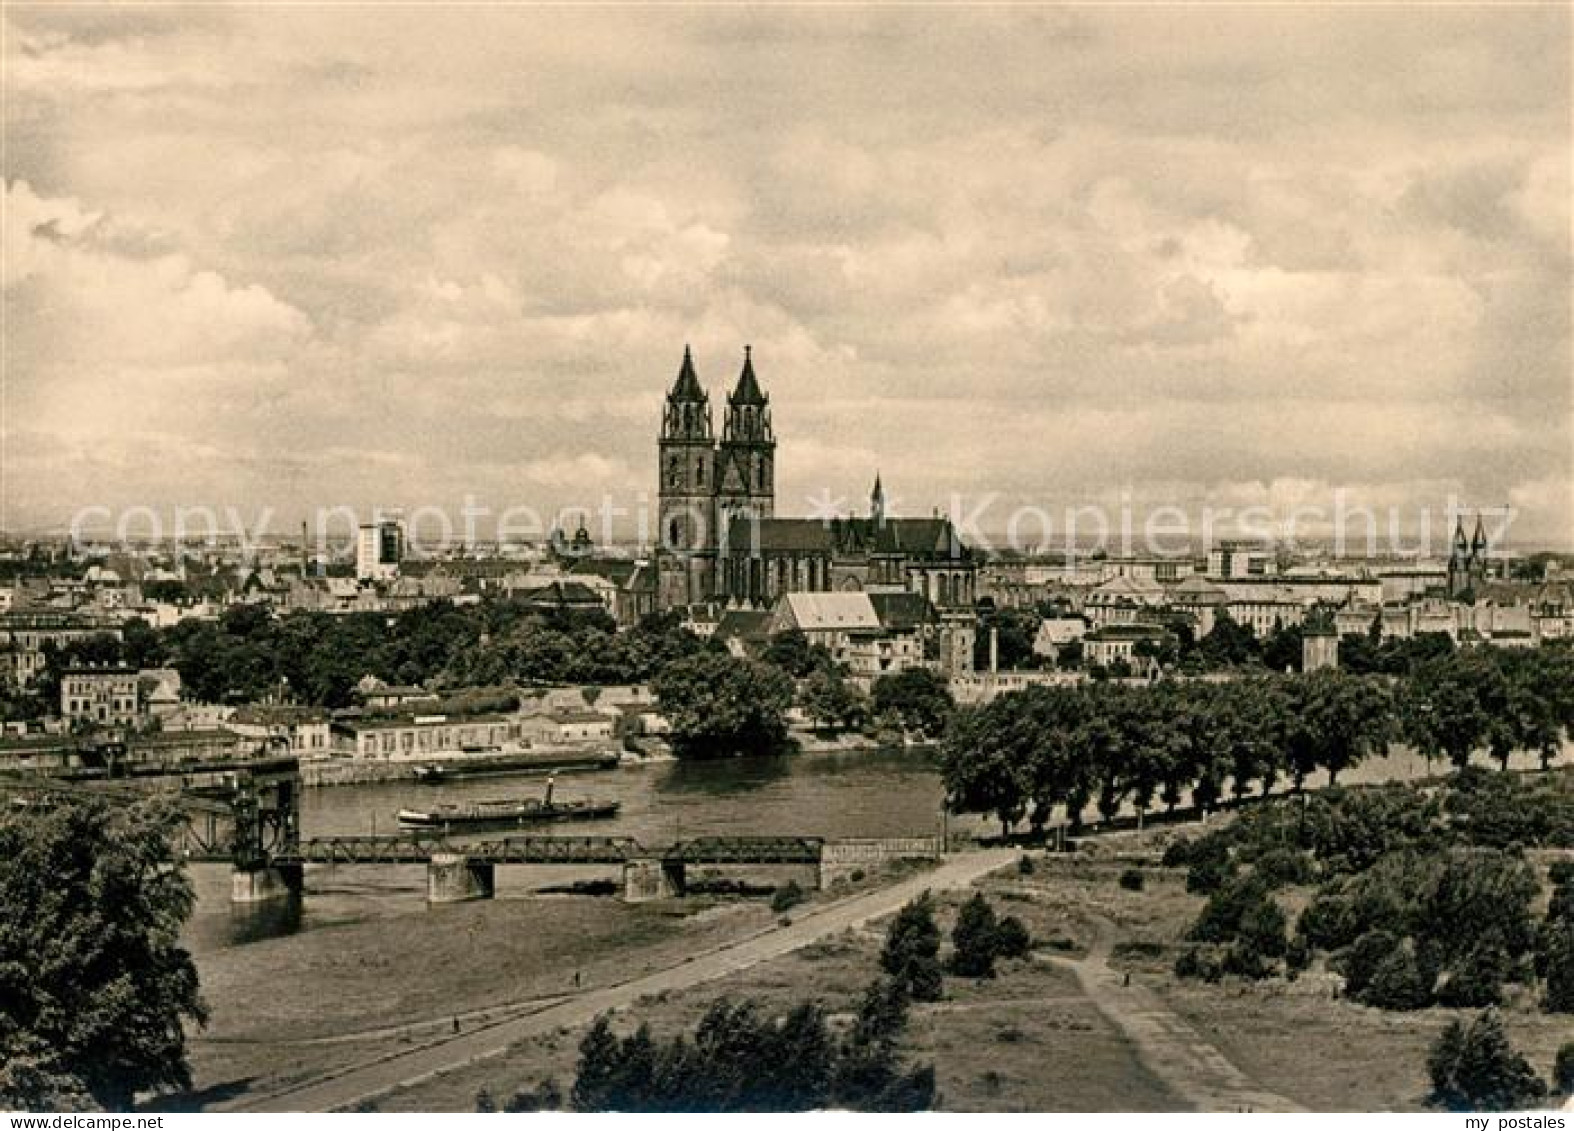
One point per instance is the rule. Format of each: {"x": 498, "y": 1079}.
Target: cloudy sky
{"x": 304, "y": 256}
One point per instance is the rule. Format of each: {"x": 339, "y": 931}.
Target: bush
{"x": 1131, "y": 879}
{"x": 547, "y": 1096}
{"x": 1557, "y": 962}
{"x": 1477, "y": 980}
{"x": 912, "y": 950}
{"x": 1396, "y": 983}
{"x": 1563, "y": 1069}
{"x": 974, "y": 939}
{"x": 1196, "y": 962}
{"x": 1474, "y": 1068}
{"x": 1242, "y": 908}
{"x": 1177, "y": 854}
{"x": 1024, "y": 865}
{"x": 1284, "y": 867}
{"x": 1012, "y": 939}
{"x": 1209, "y": 866}
{"x": 1359, "y": 962}
{"x": 1297, "y": 955}
{"x": 1245, "y": 961}
{"x": 786, "y": 897}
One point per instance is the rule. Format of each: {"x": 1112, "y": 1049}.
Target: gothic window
{"x": 674, "y": 476}
{"x": 762, "y": 475}
{"x": 674, "y": 533}
{"x": 699, "y": 472}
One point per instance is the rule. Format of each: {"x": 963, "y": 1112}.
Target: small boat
{"x": 429, "y": 775}
{"x": 505, "y": 814}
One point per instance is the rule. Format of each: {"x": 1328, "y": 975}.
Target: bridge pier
{"x": 452, "y": 877}
{"x": 650, "y": 877}
{"x": 266, "y": 884}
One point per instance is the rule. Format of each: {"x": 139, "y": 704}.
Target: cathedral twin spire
{"x": 688, "y": 414}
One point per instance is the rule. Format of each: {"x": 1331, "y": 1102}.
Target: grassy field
{"x": 1294, "y": 1038}
{"x": 1025, "y": 1041}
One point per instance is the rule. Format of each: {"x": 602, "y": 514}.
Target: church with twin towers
{"x": 720, "y": 539}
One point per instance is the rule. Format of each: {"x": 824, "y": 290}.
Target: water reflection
{"x": 254, "y": 922}
{"x": 722, "y": 777}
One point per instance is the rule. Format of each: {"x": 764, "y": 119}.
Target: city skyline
{"x": 304, "y": 257}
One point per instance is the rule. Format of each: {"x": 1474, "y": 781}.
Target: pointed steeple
{"x": 1478, "y": 542}
{"x": 748, "y": 408}
{"x": 877, "y": 501}
{"x": 687, "y": 386}
{"x": 748, "y": 390}
{"x": 1460, "y": 541}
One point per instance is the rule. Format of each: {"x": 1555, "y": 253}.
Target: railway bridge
{"x": 245, "y": 813}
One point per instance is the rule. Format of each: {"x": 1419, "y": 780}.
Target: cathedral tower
{"x": 746, "y": 459}
{"x": 686, "y": 531}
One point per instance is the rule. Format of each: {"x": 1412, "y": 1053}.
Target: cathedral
{"x": 1467, "y": 561}
{"x": 720, "y": 539}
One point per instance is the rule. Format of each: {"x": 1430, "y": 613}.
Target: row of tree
{"x": 1048, "y": 750}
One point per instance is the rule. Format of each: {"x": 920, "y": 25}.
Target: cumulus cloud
{"x": 414, "y": 253}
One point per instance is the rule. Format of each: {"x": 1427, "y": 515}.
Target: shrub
{"x": 1297, "y": 955}
{"x": 1557, "y": 962}
{"x": 546, "y": 1096}
{"x": 1196, "y": 962}
{"x": 1245, "y": 961}
{"x": 1177, "y": 854}
{"x": 1284, "y": 867}
{"x": 1024, "y": 865}
{"x": 912, "y": 950}
{"x": 974, "y": 939}
{"x": 786, "y": 897}
{"x": 1131, "y": 879}
{"x": 1359, "y": 962}
{"x": 1209, "y": 866}
{"x": 1261, "y": 927}
{"x": 1241, "y": 905}
{"x": 1476, "y": 981}
{"x": 1012, "y": 939}
{"x": 1474, "y": 1068}
{"x": 1396, "y": 983}
{"x": 1563, "y": 1069}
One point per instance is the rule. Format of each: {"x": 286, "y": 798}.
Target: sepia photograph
{"x": 799, "y": 557}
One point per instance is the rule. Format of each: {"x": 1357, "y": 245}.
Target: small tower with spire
{"x": 746, "y": 457}
{"x": 877, "y": 503}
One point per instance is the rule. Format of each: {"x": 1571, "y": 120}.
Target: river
{"x": 863, "y": 793}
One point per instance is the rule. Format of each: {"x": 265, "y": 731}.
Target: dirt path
{"x": 1166, "y": 1043}
{"x": 370, "y": 1080}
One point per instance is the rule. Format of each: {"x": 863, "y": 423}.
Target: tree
{"x": 911, "y": 956}
{"x": 1228, "y": 643}
{"x": 974, "y": 939}
{"x": 1557, "y": 957}
{"x": 719, "y": 705}
{"x": 869, "y": 1075}
{"x": 597, "y": 1073}
{"x": 830, "y": 701}
{"x": 792, "y": 653}
{"x": 1563, "y": 1069}
{"x": 1474, "y": 1068}
{"x": 919, "y": 696}
{"x": 94, "y": 982}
